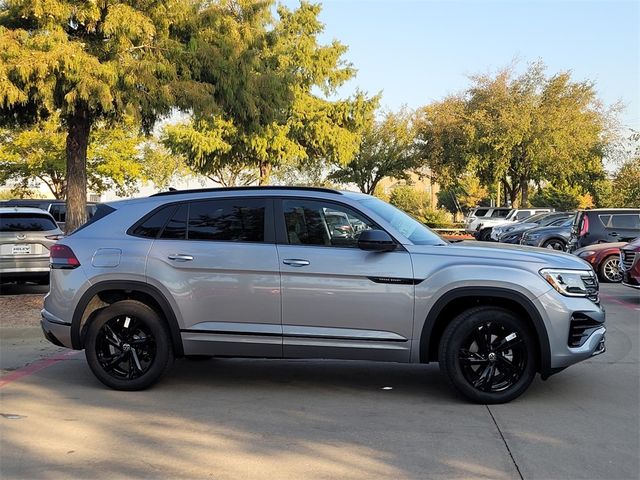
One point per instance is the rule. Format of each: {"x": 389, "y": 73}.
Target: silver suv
{"x": 261, "y": 272}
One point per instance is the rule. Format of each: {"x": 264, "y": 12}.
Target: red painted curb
{"x": 35, "y": 367}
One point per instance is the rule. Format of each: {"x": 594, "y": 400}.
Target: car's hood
{"x": 508, "y": 253}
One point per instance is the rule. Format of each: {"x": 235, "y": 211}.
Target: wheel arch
{"x": 102, "y": 294}
{"x": 450, "y": 305}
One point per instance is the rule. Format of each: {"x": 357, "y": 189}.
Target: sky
{"x": 419, "y": 51}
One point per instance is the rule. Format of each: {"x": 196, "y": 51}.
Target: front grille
{"x": 591, "y": 284}
{"x": 581, "y": 327}
{"x": 627, "y": 257}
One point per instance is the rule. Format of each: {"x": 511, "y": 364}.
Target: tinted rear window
{"x": 20, "y": 222}
{"x": 237, "y": 220}
{"x": 152, "y": 226}
{"x": 176, "y": 229}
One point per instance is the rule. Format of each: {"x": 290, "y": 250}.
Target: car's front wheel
{"x": 555, "y": 244}
{"x": 488, "y": 355}
{"x": 610, "y": 269}
{"x": 127, "y": 346}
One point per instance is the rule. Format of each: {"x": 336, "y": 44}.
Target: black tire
{"x": 555, "y": 244}
{"x": 465, "y": 364}
{"x": 484, "y": 235}
{"x": 609, "y": 269}
{"x": 128, "y": 355}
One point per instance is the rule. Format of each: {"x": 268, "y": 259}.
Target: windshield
{"x": 415, "y": 231}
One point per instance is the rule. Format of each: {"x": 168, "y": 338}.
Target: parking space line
{"x": 35, "y": 367}
{"x": 626, "y": 305}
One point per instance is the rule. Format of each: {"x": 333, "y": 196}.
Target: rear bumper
{"x": 55, "y": 330}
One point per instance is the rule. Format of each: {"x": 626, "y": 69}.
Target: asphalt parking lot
{"x": 236, "y": 419}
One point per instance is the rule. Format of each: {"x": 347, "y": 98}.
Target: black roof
{"x": 251, "y": 188}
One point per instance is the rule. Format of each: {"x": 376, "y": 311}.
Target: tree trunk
{"x": 265, "y": 173}
{"x": 524, "y": 195}
{"x": 77, "y": 141}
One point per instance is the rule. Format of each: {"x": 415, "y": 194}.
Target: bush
{"x": 561, "y": 198}
{"x": 418, "y": 205}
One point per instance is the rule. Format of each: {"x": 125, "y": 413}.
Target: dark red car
{"x": 605, "y": 259}
{"x": 630, "y": 263}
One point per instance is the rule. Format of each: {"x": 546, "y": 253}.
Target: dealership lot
{"x": 240, "y": 418}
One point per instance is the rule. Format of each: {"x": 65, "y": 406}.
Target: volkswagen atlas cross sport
{"x": 262, "y": 272}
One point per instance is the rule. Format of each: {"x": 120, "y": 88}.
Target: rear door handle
{"x": 180, "y": 257}
{"x": 295, "y": 262}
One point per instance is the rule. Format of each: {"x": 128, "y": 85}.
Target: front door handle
{"x": 296, "y": 262}
{"x": 180, "y": 257}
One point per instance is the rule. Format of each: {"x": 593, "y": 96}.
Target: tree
{"x": 387, "y": 149}
{"x": 418, "y": 204}
{"x": 464, "y": 194}
{"x": 517, "y": 131}
{"x": 562, "y": 198}
{"x": 94, "y": 61}
{"x": 311, "y": 129}
{"x": 626, "y": 185}
{"x": 116, "y": 158}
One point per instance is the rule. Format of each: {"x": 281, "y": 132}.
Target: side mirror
{"x": 376, "y": 240}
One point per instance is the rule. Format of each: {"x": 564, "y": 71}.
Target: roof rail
{"x": 256, "y": 188}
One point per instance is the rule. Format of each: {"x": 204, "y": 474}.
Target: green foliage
{"x": 311, "y": 129}
{"x": 563, "y": 198}
{"x": 518, "y": 130}
{"x": 118, "y": 158}
{"x": 626, "y": 185}
{"x": 464, "y": 194}
{"x": 387, "y": 149}
{"x": 101, "y": 61}
{"x": 418, "y": 204}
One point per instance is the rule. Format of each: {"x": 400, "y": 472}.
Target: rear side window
{"x": 176, "y": 229}
{"x": 523, "y": 215}
{"x": 153, "y": 225}
{"x": 20, "y": 222}
{"x": 500, "y": 213}
{"x": 234, "y": 220}
{"x": 481, "y": 212}
{"x": 625, "y": 221}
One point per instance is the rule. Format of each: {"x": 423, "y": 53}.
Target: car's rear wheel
{"x": 555, "y": 244}
{"x": 610, "y": 269}
{"x": 488, "y": 355}
{"x": 484, "y": 235}
{"x": 127, "y": 346}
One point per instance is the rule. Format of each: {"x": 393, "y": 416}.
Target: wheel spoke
{"x": 134, "y": 354}
{"x": 507, "y": 365}
{"x": 113, "y": 335}
{"x": 485, "y": 380}
{"x": 113, "y": 361}
{"x": 471, "y": 358}
{"x": 505, "y": 344}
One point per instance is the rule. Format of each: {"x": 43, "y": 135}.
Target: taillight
{"x": 63, "y": 257}
{"x": 584, "y": 227}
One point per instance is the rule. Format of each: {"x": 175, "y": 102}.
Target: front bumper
{"x": 55, "y": 330}
{"x": 569, "y": 318}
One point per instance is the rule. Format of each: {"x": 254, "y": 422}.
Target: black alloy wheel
{"x": 492, "y": 357}
{"x": 128, "y": 346}
{"x": 125, "y": 347}
{"x": 488, "y": 354}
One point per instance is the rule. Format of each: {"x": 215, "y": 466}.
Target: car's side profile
{"x": 605, "y": 260}
{"x": 312, "y": 273}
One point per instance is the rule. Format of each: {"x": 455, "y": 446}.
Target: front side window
{"x": 310, "y": 222}
{"x": 523, "y": 215}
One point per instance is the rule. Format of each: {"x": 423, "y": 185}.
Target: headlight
{"x": 586, "y": 253}
{"x": 571, "y": 283}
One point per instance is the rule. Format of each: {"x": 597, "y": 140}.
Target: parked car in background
{"x": 484, "y": 226}
{"x": 257, "y": 272}
{"x": 605, "y": 260}
{"x": 479, "y": 214}
{"x": 26, "y": 235}
{"x": 603, "y": 225}
{"x": 554, "y": 237}
{"x": 57, "y": 208}
{"x": 630, "y": 263}
{"x": 512, "y": 232}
